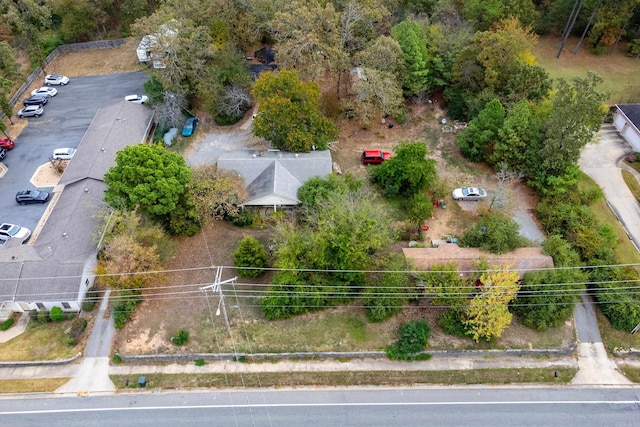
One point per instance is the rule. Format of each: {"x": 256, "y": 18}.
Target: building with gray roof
{"x": 56, "y": 267}
{"x": 273, "y": 177}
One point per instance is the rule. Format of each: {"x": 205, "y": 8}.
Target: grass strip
{"x": 36, "y": 385}
{"x": 631, "y": 372}
{"x": 348, "y": 378}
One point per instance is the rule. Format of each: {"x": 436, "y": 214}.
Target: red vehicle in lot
{"x": 6, "y": 143}
{"x": 374, "y": 157}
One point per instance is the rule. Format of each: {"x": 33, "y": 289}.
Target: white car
{"x": 44, "y": 90}
{"x": 137, "y": 99}
{"x": 31, "y": 111}
{"x": 11, "y": 231}
{"x": 55, "y": 79}
{"x": 469, "y": 193}
{"x": 63, "y": 153}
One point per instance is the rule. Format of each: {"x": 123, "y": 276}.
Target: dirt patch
{"x": 46, "y": 175}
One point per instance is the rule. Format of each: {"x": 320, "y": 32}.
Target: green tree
{"x": 493, "y": 232}
{"x": 318, "y": 189}
{"x": 488, "y": 313}
{"x": 216, "y": 193}
{"x": 388, "y": 293}
{"x": 9, "y": 65}
{"x": 251, "y": 255}
{"x": 414, "y": 338}
{"x": 444, "y": 283}
{"x": 383, "y": 54}
{"x": 520, "y": 130}
{"x": 289, "y": 116}
{"x": 419, "y": 208}
{"x": 147, "y": 177}
{"x": 407, "y": 173}
{"x": 412, "y": 41}
{"x": 344, "y": 231}
{"x": 576, "y": 113}
{"x": 476, "y": 141}
{"x": 78, "y": 20}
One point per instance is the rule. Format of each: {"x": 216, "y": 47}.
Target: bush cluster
{"x": 7, "y": 324}
{"x": 123, "y": 311}
{"x": 413, "y": 340}
{"x": 181, "y": 337}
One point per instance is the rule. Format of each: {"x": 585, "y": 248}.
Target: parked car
{"x": 137, "y": 99}
{"x": 7, "y": 143}
{"x": 31, "y": 111}
{"x": 469, "y": 193}
{"x": 36, "y": 100}
{"x": 3, "y": 153}
{"x": 55, "y": 79}
{"x": 12, "y": 231}
{"x": 189, "y": 126}
{"x": 169, "y": 136}
{"x": 44, "y": 90}
{"x": 374, "y": 157}
{"x": 63, "y": 153}
{"x": 31, "y": 196}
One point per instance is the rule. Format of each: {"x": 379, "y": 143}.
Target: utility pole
{"x": 216, "y": 286}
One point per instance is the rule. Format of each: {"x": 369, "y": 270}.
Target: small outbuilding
{"x": 626, "y": 120}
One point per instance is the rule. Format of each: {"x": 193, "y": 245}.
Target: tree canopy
{"x": 407, "y": 172}
{"x": 289, "y": 115}
{"x": 148, "y": 178}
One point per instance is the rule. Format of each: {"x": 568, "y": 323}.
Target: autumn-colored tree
{"x": 217, "y": 193}
{"x": 289, "y": 113}
{"x": 373, "y": 94}
{"x": 122, "y": 257}
{"x": 488, "y": 313}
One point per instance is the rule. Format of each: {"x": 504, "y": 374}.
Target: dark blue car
{"x": 189, "y": 126}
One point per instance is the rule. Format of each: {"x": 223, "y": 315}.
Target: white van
{"x": 63, "y": 153}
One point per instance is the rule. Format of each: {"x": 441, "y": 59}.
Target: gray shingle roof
{"x": 65, "y": 248}
{"x": 275, "y": 177}
{"x": 632, "y": 111}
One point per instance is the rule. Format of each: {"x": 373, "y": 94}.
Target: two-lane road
{"x": 481, "y": 406}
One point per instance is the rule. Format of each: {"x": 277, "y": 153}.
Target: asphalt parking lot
{"x": 65, "y": 120}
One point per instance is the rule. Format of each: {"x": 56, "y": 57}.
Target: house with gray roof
{"x": 626, "y": 120}
{"x": 56, "y": 267}
{"x": 273, "y": 177}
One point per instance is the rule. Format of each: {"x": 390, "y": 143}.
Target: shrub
{"x": 90, "y": 300}
{"x": 419, "y": 208}
{"x": 495, "y": 233}
{"x": 451, "y": 322}
{"x": 56, "y": 314}
{"x": 184, "y": 220}
{"x": 200, "y": 362}
{"x": 123, "y": 311}
{"x": 244, "y": 218}
{"x": 181, "y": 337}
{"x": 43, "y": 316}
{"x": 414, "y": 338}
{"x": 7, "y": 324}
{"x": 78, "y": 325}
{"x": 250, "y": 253}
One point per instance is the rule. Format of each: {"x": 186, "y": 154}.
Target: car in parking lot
{"x": 12, "y": 231}
{"x": 469, "y": 193}
{"x": 31, "y": 111}
{"x": 44, "y": 90}
{"x": 7, "y": 143}
{"x": 63, "y": 153}
{"x": 31, "y": 196}
{"x": 36, "y": 100}
{"x": 189, "y": 126}
{"x": 136, "y": 99}
{"x": 55, "y": 79}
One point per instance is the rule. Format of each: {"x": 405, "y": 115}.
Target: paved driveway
{"x": 600, "y": 160}
{"x": 63, "y": 124}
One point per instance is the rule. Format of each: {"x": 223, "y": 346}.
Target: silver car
{"x": 31, "y": 111}
{"x": 469, "y": 193}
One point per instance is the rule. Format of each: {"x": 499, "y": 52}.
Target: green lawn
{"x": 620, "y": 72}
